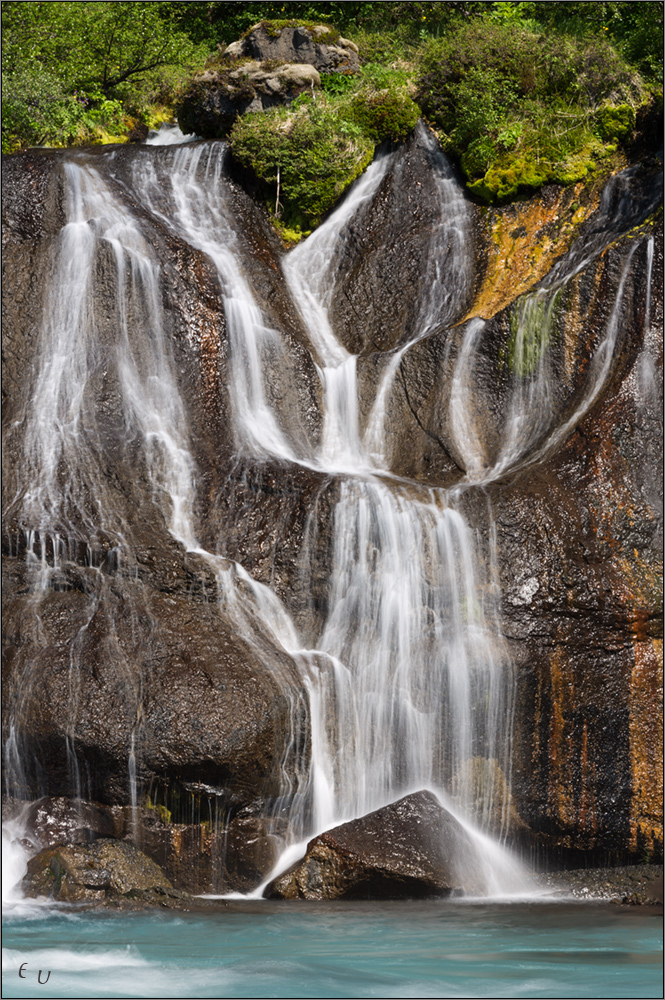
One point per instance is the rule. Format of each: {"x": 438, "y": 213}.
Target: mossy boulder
{"x": 320, "y": 45}
{"x": 312, "y": 149}
{"x": 218, "y": 97}
{"x": 104, "y": 872}
{"x": 385, "y": 114}
{"x": 615, "y": 122}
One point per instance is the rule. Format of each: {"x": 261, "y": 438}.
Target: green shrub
{"x": 385, "y": 114}
{"x": 518, "y": 109}
{"x": 317, "y": 151}
{"x": 338, "y": 84}
{"x": 37, "y": 109}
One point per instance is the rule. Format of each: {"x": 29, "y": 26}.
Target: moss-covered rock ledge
{"x": 300, "y": 115}
{"x": 515, "y": 107}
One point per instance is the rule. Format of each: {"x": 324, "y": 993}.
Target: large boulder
{"x": 271, "y": 65}
{"x": 106, "y": 872}
{"x": 216, "y": 97}
{"x": 319, "y": 45}
{"x": 411, "y": 848}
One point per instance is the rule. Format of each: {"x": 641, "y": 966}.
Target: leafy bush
{"x": 518, "y": 108}
{"x": 37, "y": 108}
{"x": 70, "y": 66}
{"x": 338, "y": 84}
{"x": 312, "y": 148}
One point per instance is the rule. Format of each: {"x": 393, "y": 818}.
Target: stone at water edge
{"x": 106, "y": 872}
{"x": 411, "y": 848}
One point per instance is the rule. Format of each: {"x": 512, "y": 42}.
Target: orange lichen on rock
{"x": 561, "y": 794}
{"x": 523, "y": 241}
{"x": 646, "y": 747}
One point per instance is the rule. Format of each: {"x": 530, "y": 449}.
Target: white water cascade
{"x": 533, "y": 425}
{"x": 408, "y": 684}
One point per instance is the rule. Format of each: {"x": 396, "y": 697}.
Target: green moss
{"x": 615, "y": 122}
{"x": 330, "y": 36}
{"x": 504, "y": 181}
{"x": 533, "y": 325}
{"x": 161, "y": 810}
{"x": 518, "y": 109}
{"x": 314, "y": 150}
{"x": 156, "y": 117}
{"x": 385, "y": 114}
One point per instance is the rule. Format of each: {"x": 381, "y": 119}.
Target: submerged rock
{"x": 411, "y": 848}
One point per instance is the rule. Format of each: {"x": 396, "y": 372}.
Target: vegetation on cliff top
{"x": 518, "y": 108}
{"x": 521, "y": 93}
{"x": 307, "y": 153}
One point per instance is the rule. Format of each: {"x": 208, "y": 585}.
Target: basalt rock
{"x": 411, "y": 849}
{"x": 129, "y": 682}
{"x": 173, "y": 682}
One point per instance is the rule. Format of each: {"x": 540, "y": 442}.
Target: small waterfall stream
{"x": 408, "y": 684}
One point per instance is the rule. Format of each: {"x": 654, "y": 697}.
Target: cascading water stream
{"x": 417, "y": 687}
{"x": 446, "y": 287}
{"x": 532, "y": 429}
{"x": 409, "y": 685}
{"x": 63, "y": 439}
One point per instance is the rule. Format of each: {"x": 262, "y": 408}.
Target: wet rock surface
{"x": 411, "y": 849}
{"x": 127, "y": 649}
{"x": 105, "y": 873}
{"x": 378, "y": 261}
{"x": 632, "y": 885}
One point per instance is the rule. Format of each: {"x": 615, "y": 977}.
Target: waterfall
{"x": 408, "y": 683}
{"x": 408, "y": 686}
{"x": 534, "y": 425}
{"x": 415, "y": 687}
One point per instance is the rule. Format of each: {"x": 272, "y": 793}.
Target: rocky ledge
{"x": 633, "y": 885}
{"x": 268, "y": 67}
{"x": 316, "y": 44}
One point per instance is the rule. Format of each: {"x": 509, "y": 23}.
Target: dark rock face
{"x": 126, "y": 676}
{"x": 412, "y": 848}
{"x": 124, "y": 665}
{"x": 299, "y": 45}
{"x": 377, "y": 260}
